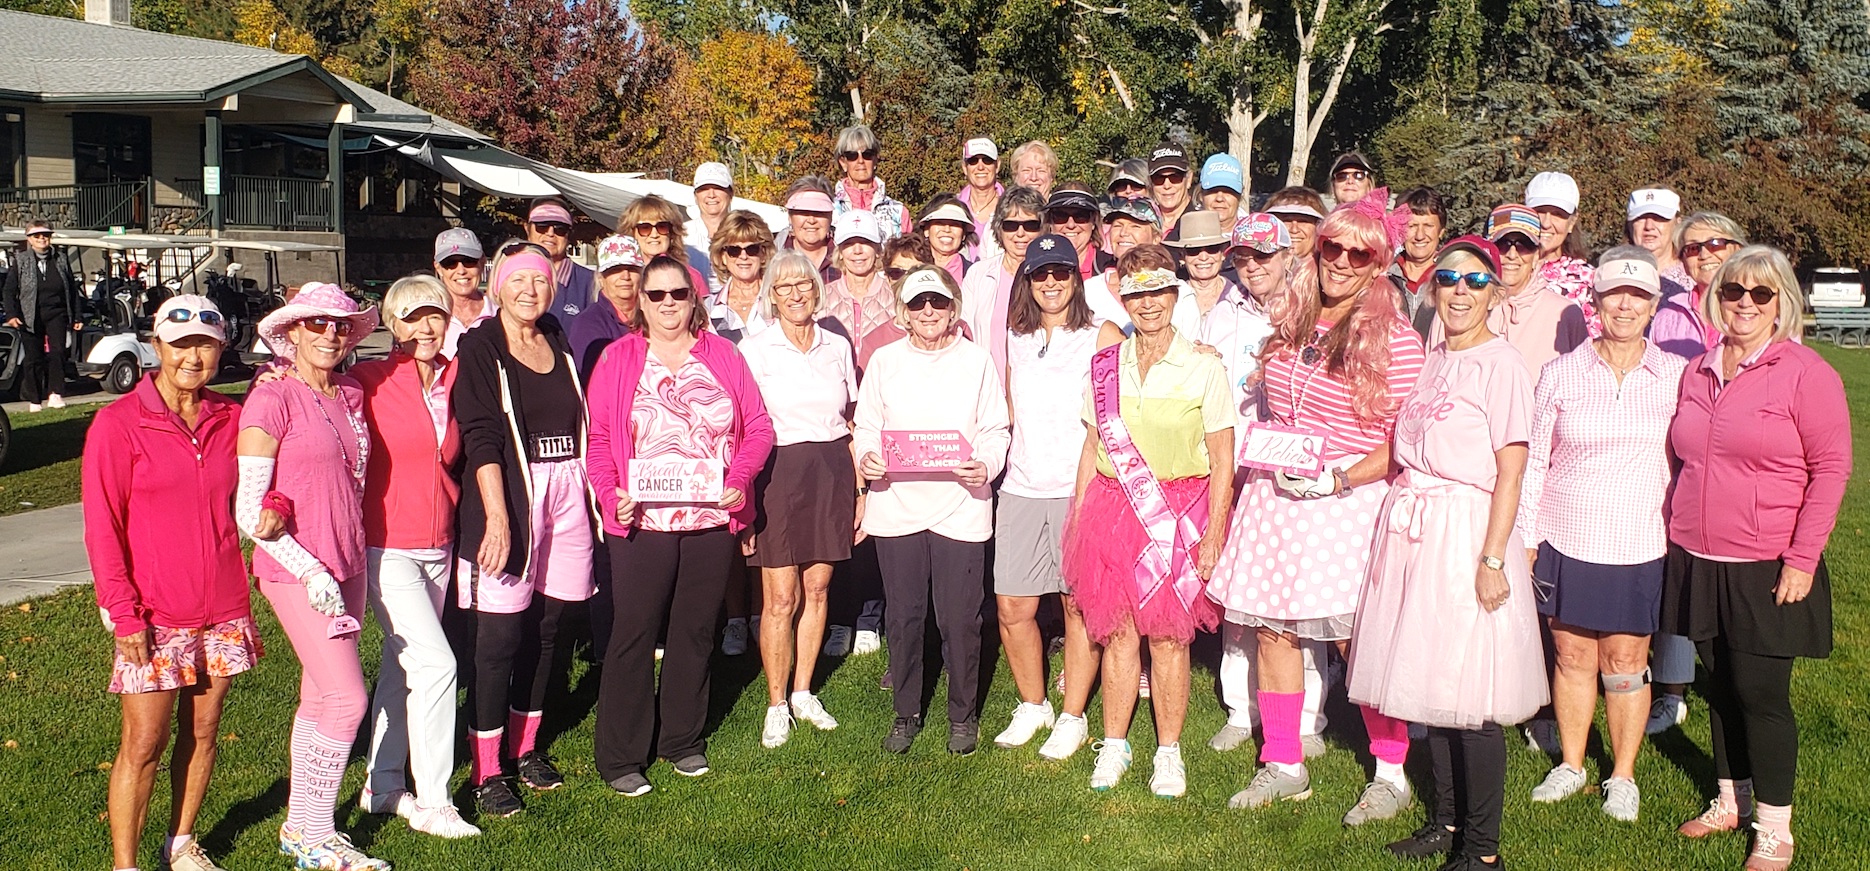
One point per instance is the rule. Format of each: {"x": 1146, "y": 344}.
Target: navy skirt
{"x": 1625, "y": 600}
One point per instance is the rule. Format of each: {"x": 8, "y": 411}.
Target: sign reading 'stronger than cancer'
{"x": 924, "y": 450}
{"x": 677, "y": 479}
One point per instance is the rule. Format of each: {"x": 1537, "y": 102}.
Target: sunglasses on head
{"x": 1476, "y": 280}
{"x": 183, "y": 315}
{"x": 869, "y": 154}
{"x": 513, "y": 248}
{"x": 1073, "y": 216}
{"x": 1732, "y": 292}
{"x": 1033, "y": 225}
{"x": 1329, "y": 250}
{"x": 1711, "y": 246}
{"x": 457, "y": 261}
{"x": 976, "y": 160}
{"x": 1517, "y": 242}
{"x": 324, "y": 326}
{"x": 753, "y": 250}
{"x": 552, "y": 228}
{"x": 679, "y": 294}
{"x": 660, "y": 228}
{"x": 1350, "y": 175}
{"x": 1053, "y": 272}
{"x": 924, "y": 300}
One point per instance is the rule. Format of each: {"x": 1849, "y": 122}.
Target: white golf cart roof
{"x": 136, "y": 242}
{"x": 275, "y": 247}
{"x": 59, "y": 237}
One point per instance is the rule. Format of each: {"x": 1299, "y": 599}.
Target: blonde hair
{"x": 740, "y": 227}
{"x": 650, "y": 209}
{"x": 1759, "y": 266}
{"x": 1035, "y": 148}
{"x": 417, "y": 289}
{"x": 901, "y": 307}
{"x": 786, "y": 266}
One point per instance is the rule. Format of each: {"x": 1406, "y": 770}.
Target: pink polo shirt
{"x": 1764, "y": 458}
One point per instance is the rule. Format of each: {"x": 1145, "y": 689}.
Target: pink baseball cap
{"x": 809, "y": 201}
{"x": 549, "y": 212}
{"x": 1261, "y": 232}
{"x": 189, "y": 315}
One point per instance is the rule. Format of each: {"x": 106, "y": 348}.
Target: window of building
{"x": 109, "y": 148}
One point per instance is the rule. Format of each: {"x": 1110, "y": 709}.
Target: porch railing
{"x": 79, "y": 206}
{"x": 247, "y": 201}
{"x": 276, "y": 203}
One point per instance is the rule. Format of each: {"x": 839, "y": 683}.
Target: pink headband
{"x": 517, "y": 262}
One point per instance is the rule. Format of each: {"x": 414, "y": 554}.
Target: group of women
{"x": 1267, "y": 448}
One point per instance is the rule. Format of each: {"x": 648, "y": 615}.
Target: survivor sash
{"x": 1166, "y": 561}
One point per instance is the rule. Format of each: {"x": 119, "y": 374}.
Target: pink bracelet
{"x": 277, "y": 503}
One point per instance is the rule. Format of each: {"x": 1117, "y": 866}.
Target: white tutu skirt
{"x": 1423, "y": 649}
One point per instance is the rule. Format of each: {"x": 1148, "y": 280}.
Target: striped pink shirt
{"x": 1309, "y": 396}
{"x": 1597, "y": 469}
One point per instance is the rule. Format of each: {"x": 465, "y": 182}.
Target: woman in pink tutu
{"x": 1139, "y": 545}
{"x": 1447, "y": 634}
{"x": 1338, "y": 364}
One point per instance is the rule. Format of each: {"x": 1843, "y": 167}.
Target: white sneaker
{"x": 1621, "y": 799}
{"x": 807, "y": 707}
{"x": 1561, "y": 783}
{"x": 55, "y": 401}
{"x": 866, "y": 642}
{"x": 34, "y": 407}
{"x": 1028, "y": 719}
{"x": 398, "y": 802}
{"x": 869, "y": 629}
{"x": 1314, "y": 746}
{"x": 1542, "y": 737}
{"x": 778, "y": 728}
{"x": 1230, "y": 737}
{"x": 1113, "y": 759}
{"x": 1665, "y": 713}
{"x": 659, "y": 653}
{"x": 1068, "y": 734}
{"x": 838, "y": 641}
{"x": 1170, "y": 779}
{"x": 734, "y": 637}
{"x": 442, "y": 822}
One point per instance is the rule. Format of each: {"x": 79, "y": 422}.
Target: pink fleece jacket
{"x": 159, "y": 513}
{"x": 612, "y": 396}
{"x": 1764, "y": 460}
{"x": 410, "y": 491}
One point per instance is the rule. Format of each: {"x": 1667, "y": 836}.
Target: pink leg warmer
{"x": 1279, "y": 718}
{"x": 1389, "y": 737}
{"x": 522, "y": 731}
{"x": 486, "y": 756}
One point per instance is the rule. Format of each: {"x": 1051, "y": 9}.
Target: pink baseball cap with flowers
{"x": 1261, "y": 232}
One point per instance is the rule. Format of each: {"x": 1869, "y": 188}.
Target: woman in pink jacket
{"x": 1764, "y": 441}
{"x": 159, "y": 477}
{"x": 672, "y": 394}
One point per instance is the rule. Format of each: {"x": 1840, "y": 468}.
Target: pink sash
{"x": 1166, "y": 561}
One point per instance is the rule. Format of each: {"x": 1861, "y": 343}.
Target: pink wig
{"x": 1357, "y": 349}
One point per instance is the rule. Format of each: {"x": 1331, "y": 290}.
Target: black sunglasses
{"x": 753, "y": 250}
{"x": 1216, "y": 248}
{"x": 660, "y": 228}
{"x": 1517, "y": 242}
{"x": 1072, "y": 216}
{"x": 869, "y": 154}
{"x": 679, "y": 294}
{"x": 1254, "y": 254}
{"x": 1032, "y": 225}
{"x": 1169, "y": 176}
{"x": 976, "y": 160}
{"x": 894, "y": 273}
{"x": 1732, "y": 292}
{"x": 552, "y": 228}
{"x": 1350, "y": 175}
{"x": 457, "y": 261}
{"x": 924, "y": 300}
{"x": 1694, "y": 249}
{"x": 1476, "y": 280}
{"x": 1052, "y": 272}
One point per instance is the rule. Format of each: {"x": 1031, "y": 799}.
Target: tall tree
{"x": 1329, "y": 34}
{"x": 759, "y": 107}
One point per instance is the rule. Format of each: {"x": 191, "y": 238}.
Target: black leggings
{"x": 42, "y": 372}
{"x": 513, "y": 655}
{"x": 924, "y": 572}
{"x": 1470, "y": 784}
{"x": 1750, "y": 715}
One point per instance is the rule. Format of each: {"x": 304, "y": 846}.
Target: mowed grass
{"x": 834, "y": 800}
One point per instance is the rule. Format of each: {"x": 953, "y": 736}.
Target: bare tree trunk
{"x": 389, "y": 87}
{"x": 1308, "y": 120}
{"x": 1240, "y": 119}
{"x": 857, "y": 104}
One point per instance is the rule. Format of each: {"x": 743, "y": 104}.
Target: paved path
{"x": 42, "y": 552}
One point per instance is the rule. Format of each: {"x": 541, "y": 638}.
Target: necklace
{"x": 357, "y": 429}
{"x": 1296, "y": 391}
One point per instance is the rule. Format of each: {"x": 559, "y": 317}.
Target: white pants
{"x": 1240, "y": 646}
{"x": 413, "y": 710}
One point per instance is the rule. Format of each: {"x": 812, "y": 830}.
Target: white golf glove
{"x": 321, "y": 590}
{"x": 1301, "y": 487}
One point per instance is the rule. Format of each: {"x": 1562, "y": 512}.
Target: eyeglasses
{"x": 1033, "y": 225}
{"x": 458, "y": 261}
{"x": 925, "y": 300}
{"x": 1329, "y": 250}
{"x": 753, "y": 250}
{"x": 42, "y": 234}
{"x": 976, "y": 160}
{"x": 323, "y": 326}
{"x": 1731, "y": 292}
{"x": 1711, "y": 246}
{"x": 792, "y": 288}
{"x": 552, "y": 228}
{"x": 521, "y": 247}
{"x": 660, "y": 228}
{"x": 184, "y": 315}
{"x": 679, "y": 294}
{"x": 1072, "y": 216}
{"x": 1253, "y": 254}
{"x": 1517, "y": 242}
{"x": 1476, "y": 280}
{"x": 1171, "y": 176}
{"x": 869, "y": 154}
{"x": 1052, "y": 272}
{"x": 1350, "y": 175}
{"x": 1216, "y": 248}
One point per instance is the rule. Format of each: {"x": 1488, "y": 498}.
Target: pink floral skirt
{"x": 183, "y": 657}
{"x": 1102, "y": 543}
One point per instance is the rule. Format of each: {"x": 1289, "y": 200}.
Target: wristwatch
{"x": 1344, "y": 481}
{"x": 1492, "y": 562}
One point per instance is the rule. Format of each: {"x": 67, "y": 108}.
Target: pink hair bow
{"x": 1374, "y": 205}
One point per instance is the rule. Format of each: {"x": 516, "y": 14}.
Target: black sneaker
{"x": 633, "y": 784}
{"x": 537, "y": 771}
{"x": 497, "y": 798}
{"x": 963, "y": 737}
{"x": 1464, "y": 862}
{"x": 692, "y": 765}
{"x": 902, "y": 734}
{"x": 1433, "y": 839}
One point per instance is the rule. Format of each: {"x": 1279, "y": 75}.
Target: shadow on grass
{"x": 35, "y": 447}
{"x": 244, "y": 815}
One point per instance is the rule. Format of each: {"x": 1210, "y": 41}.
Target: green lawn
{"x": 833, "y": 800}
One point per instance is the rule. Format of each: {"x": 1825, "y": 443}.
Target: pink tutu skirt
{"x": 1099, "y": 563}
{"x": 1423, "y": 649}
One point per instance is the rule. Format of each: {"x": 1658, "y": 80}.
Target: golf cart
{"x": 12, "y": 354}
{"x": 244, "y": 300}
{"x": 133, "y": 275}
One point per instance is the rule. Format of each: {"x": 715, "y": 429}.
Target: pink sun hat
{"x": 318, "y": 299}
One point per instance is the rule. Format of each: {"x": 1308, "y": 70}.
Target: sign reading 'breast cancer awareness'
{"x": 924, "y": 450}
{"x": 1274, "y": 448}
{"x": 677, "y": 479}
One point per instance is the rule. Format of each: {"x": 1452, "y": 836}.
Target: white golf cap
{"x": 715, "y": 174}
{"x": 1660, "y": 202}
{"x": 189, "y": 315}
{"x": 980, "y": 146}
{"x": 1629, "y": 273}
{"x": 923, "y": 281}
{"x": 1553, "y": 189}
{"x": 856, "y": 224}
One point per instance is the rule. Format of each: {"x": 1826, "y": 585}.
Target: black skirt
{"x": 1704, "y": 599}
{"x": 808, "y": 505}
{"x": 1600, "y": 598}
